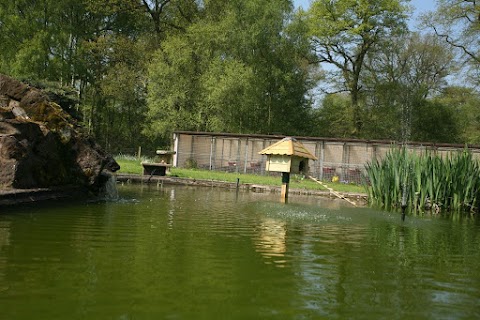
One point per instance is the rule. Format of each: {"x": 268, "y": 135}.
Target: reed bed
{"x": 424, "y": 182}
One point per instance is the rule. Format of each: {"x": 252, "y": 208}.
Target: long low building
{"x": 343, "y": 158}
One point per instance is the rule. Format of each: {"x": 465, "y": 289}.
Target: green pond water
{"x": 200, "y": 253}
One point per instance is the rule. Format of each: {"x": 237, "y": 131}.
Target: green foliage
{"x": 173, "y": 88}
{"x": 334, "y": 117}
{"x": 462, "y": 105}
{"x": 435, "y": 122}
{"x": 191, "y": 163}
{"x": 130, "y": 164}
{"x": 237, "y": 72}
{"x": 458, "y": 24}
{"x": 135, "y": 71}
{"x": 402, "y": 75}
{"x": 425, "y": 181}
{"x": 344, "y": 32}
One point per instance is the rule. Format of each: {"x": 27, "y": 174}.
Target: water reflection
{"x": 171, "y": 211}
{"x": 271, "y": 240}
{"x": 4, "y": 243}
{"x": 4, "y": 234}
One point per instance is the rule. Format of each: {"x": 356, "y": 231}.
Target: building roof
{"x": 289, "y": 146}
{"x": 428, "y": 145}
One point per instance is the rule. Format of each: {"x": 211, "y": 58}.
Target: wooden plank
{"x": 338, "y": 195}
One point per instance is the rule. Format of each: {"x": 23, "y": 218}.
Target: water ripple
{"x": 189, "y": 253}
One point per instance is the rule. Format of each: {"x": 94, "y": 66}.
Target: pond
{"x": 177, "y": 252}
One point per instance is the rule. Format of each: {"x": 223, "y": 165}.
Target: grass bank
{"x": 131, "y": 165}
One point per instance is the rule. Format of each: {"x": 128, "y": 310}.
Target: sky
{"x": 420, "y": 7}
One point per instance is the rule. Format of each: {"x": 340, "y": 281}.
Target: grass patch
{"x": 134, "y": 167}
{"x": 131, "y": 165}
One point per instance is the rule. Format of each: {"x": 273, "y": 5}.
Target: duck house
{"x": 287, "y": 156}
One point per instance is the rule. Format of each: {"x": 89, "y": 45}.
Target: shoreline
{"x": 359, "y": 198}
{"x": 11, "y": 197}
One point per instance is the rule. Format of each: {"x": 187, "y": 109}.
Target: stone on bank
{"x": 42, "y": 146}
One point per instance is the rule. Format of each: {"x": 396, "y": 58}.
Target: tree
{"x": 99, "y": 48}
{"x": 433, "y": 121}
{"x": 463, "y": 103}
{"x": 458, "y": 23}
{"x": 34, "y": 38}
{"x": 399, "y": 77}
{"x": 343, "y": 32}
{"x": 123, "y": 87}
{"x": 333, "y": 118}
{"x": 168, "y": 15}
{"x": 173, "y": 88}
{"x": 235, "y": 69}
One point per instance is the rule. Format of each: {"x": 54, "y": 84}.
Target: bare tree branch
{"x": 451, "y": 42}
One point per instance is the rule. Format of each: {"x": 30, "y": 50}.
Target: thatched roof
{"x": 288, "y": 146}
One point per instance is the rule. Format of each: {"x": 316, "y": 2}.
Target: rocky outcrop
{"x": 42, "y": 146}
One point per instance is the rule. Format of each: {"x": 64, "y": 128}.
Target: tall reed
{"x": 426, "y": 181}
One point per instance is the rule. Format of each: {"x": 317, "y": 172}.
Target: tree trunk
{"x": 356, "y": 111}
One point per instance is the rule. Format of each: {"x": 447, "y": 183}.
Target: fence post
{"x": 262, "y": 165}
{"x": 239, "y": 146}
{"x": 374, "y": 153}
{"x": 210, "y": 166}
{"x": 222, "y": 160}
{"x": 191, "y": 148}
{"x": 176, "y": 143}
{"x": 139, "y": 154}
{"x": 344, "y": 161}
{"x": 246, "y": 156}
{"x": 315, "y": 172}
{"x": 322, "y": 158}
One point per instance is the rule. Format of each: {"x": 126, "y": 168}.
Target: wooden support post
{"x": 285, "y": 185}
